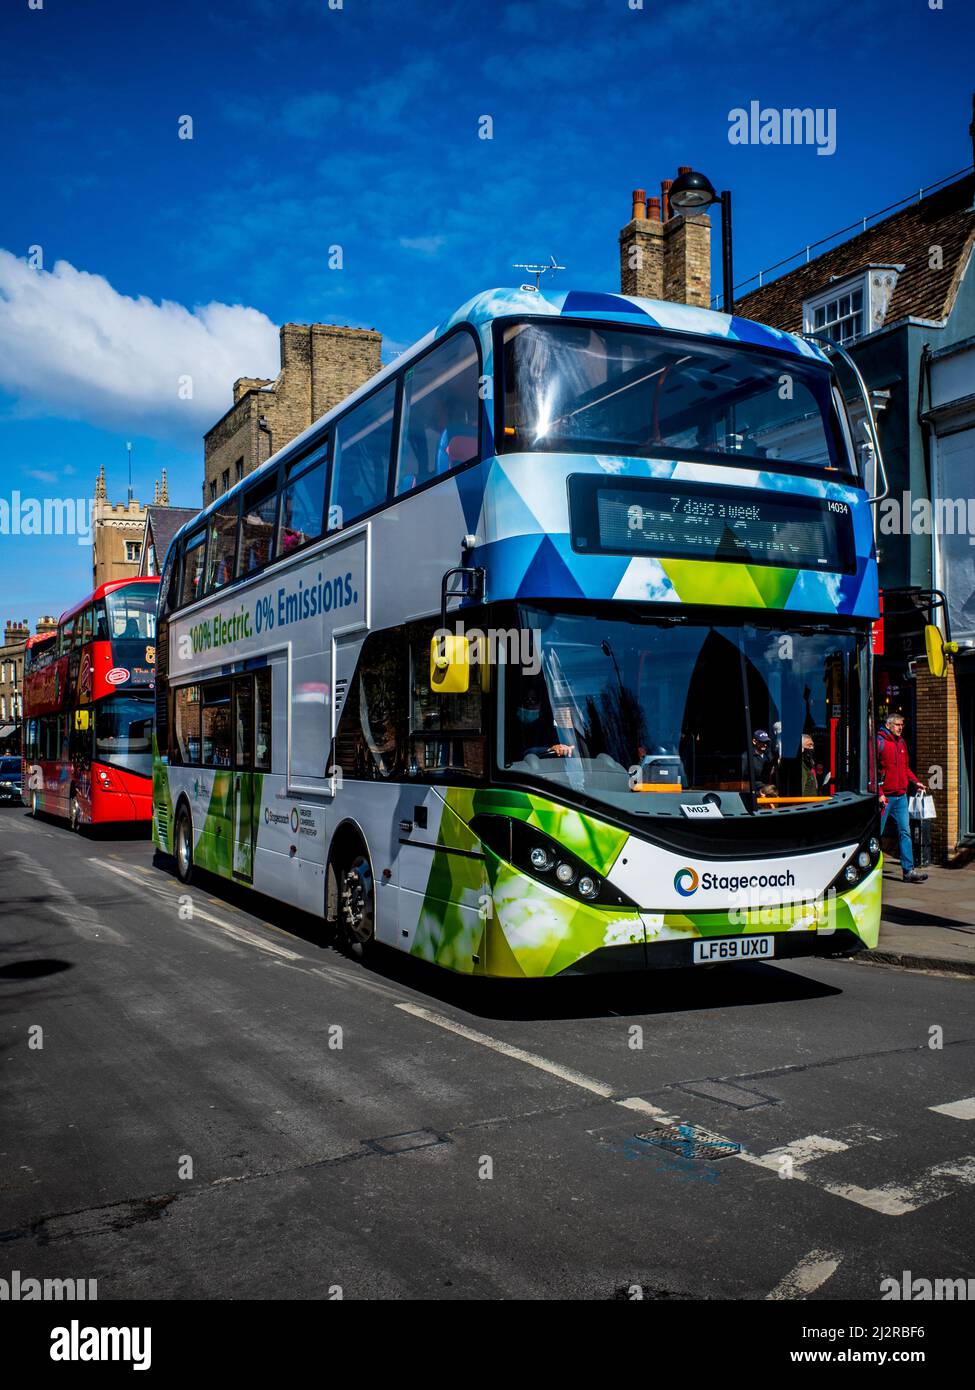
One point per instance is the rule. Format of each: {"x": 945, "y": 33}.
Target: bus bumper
{"x": 675, "y": 955}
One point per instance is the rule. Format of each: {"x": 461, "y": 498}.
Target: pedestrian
{"x": 896, "y": 778}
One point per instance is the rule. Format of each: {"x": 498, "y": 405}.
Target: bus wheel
{"x": 357, "y": 908}
{"x": 74, "y": 811}
{"x": 183, "y": 845}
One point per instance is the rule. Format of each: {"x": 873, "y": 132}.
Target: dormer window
{"x": 852, "y": 307}
{"x": 838, "y": 313}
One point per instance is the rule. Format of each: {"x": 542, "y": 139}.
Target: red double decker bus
{"x": 88, "y": 708}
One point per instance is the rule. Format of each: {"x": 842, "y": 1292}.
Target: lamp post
{"x": 693, "y": 192}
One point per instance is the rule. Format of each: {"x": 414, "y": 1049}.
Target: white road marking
{"x": 957, "y": 1109}
{"x": 240, "y": 934}
{"x": 933, "y": 1184}
{"x": 81, "y": 917}
{"x": 810, "y": 1273}
{"x": 532, "y": 1059}
{"x": 892, "y": 1200}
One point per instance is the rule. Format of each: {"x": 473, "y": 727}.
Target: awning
{"x": 7, "y": 730}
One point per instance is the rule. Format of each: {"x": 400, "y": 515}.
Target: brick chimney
{"x": 46, "y": 625}
{"x": 15, "y": 632}
{"x": 664, "y": 257}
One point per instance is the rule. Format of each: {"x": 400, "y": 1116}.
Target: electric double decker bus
{"x": 88, "y": 709}
{"x": 546, "y": 652}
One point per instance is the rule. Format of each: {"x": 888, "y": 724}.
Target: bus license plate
{"x": 734, "y": 948}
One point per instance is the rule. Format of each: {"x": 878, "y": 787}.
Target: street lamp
{"x": 693, "y": 192}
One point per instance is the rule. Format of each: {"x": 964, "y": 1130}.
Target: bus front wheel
{"x": 183, "y": 845}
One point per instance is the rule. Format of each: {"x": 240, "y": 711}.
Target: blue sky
{"x": 358, "y": 126}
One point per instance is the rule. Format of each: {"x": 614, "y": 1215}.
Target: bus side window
{"x": 222, "y": 553}
{"x": 446, "y": 732}
{"x": 186, "y": 726}
{"x": 216, "y": 739}
{"x": 302, "y": 502}
{"x": 262, "y": 720}
{"x": 440, "y": 413}
{"x": 86, "y": 625}
{"x": 257, "y": 525}
{"x": 193, "y": 558}
{"x": 360, "y": 470}
{"x": 369, "y": 741}
{"x": 244, "y": 722}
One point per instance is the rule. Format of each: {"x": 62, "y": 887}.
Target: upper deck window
{"x": 132, "y": 612}
{"x": 302, "y": 502}
{"x": 363, "y": 441}
{"x": 194, "y": 555}
{"x": 578, "y": 388}
{"x": 223, "y": 545}
{"x": 440, "y": 403}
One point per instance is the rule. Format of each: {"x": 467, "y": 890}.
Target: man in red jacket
{"x": 895, "y": 777}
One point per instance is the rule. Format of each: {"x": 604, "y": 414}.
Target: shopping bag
{"x": 921, "y": 807}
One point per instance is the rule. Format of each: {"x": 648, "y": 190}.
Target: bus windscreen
{"x": 578, "y": 387}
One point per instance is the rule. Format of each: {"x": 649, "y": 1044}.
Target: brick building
{"x": 900, "y": 296}
{"x": 117, "y": 534}
{"x": 664, "y": 257}
{"x": 321, "y": 364}
{"x": 12, "y": 679}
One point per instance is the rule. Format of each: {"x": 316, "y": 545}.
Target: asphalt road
{"x": 225, "y": 1106}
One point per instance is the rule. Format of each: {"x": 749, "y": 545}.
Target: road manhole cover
{"x": 690, "y": 1141}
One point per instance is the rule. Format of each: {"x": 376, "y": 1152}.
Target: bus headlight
{"x": 874, "y": 845}
{"x": 543, "y": 858}
{"x": 851, "y": 873}
{"x": 863, "y": 859}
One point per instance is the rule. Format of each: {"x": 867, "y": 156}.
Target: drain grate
{"x": 403, "y": 1143}
{"x": 690, "y": 1141}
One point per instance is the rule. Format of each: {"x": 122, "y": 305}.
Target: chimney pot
{"x": 639, "y": 204}
{"x": 684, "y": 169}
{"x": 653, "y": 209}
{"x": 665, "y": 187}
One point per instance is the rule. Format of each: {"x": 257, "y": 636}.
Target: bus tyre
{"x": 357, "y": 904}
{"x": 183, "y": 845}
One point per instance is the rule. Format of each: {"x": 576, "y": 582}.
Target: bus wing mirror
{"x": 450, "y": 664}
{"x": 937, "y": 649}
{"x": 82, "y": 720}
{"x": 828, "y": 346}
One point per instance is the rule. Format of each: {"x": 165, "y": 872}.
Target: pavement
{"x": 927, "y": 926}
{"x": 204, "y": 1098}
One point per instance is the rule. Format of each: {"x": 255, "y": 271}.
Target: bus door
{"x": 242, "y": 800}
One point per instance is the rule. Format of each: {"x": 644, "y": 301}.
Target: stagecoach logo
{"x": 274, "y": 817}
{"x": 686, "y": 881}
{"x": 294, "y": 820}
{"x": 118, "y": 675}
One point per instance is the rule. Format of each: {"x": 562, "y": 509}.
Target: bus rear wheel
{"x": 357, "y": 904}
{"x": 183, "y": 845}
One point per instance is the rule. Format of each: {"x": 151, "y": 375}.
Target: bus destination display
{"x": 695, "y": 521}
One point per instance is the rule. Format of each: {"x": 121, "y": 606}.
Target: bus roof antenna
{"x": 537, "y": 270}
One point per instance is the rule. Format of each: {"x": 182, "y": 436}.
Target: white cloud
{"x": 72, "y": 345}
